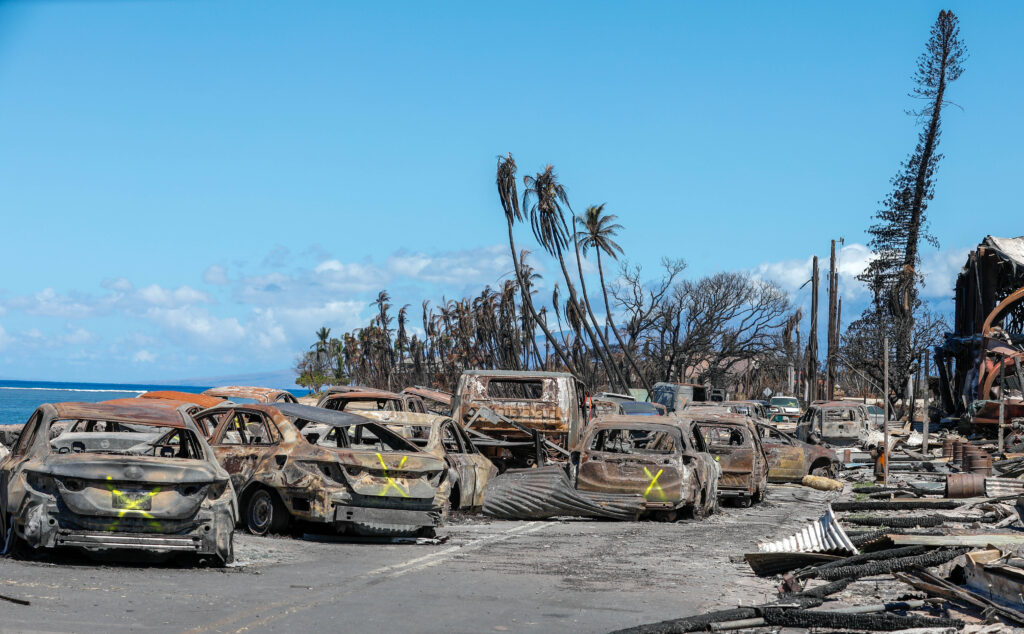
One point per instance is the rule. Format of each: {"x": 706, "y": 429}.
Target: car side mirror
{"x": 574, "y": 457}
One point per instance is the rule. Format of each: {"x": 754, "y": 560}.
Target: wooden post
{"x": 1002, "y": 400}
{"x": 924, "y": 392}
{"x": 885, "y": 407}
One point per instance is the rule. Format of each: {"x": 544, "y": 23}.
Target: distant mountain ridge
{"x": 280, "y": 379}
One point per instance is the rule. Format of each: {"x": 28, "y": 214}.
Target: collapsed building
{"x": 979, "y": 362}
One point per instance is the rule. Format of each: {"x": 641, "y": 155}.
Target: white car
{"x": 787, "y": 405}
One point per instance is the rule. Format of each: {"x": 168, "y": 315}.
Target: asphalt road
{"x": 571, "y": 576}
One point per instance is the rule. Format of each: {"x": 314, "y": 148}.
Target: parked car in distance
{"x": 164, "y": 498}
{"x": 833, "y": 422}
{"x": 641, "y": 408}
{"x": 787, "y": 405}
{"x": 250, "y": 394}
{"x": 469, "y": 470}
{"x": 676, "y": 396}
{"x": 875, "y": 414}
{"x": 362, "y": 400}
{"x": 733, "y": 440}
{"x": 297, "y": 462}
{"x": 201, "y": 401}
{"x": 789, "y": 459}
{"x": 659, "y": 458}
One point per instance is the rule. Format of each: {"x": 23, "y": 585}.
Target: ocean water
{"x": 18, "y": 399}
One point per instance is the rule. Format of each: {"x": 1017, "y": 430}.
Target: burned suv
{"x": 736, "y": 445}
{"x": 164, "y": 497}
{"x": 297, "y": 462}
{"x": 660, "y": 458}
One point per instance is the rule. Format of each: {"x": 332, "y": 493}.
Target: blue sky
{"x": 191, "y": 188}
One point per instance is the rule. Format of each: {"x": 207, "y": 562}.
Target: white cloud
{"x": 198, "y": 324}
{"x": 78, "y": 336}
{"x": 216, "y": 275}
{"x": 181, "y": 296}
{"x": 143, "y": 356}
{"x": 48, "y": 303}
{"x": 484, "y": 265}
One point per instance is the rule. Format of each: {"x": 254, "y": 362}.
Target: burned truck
{"x": 521, "y": 418}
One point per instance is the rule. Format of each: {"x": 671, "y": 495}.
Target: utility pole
{"x": 812, "y": 343}
{"x": 833, "y": 327}
{"x": 885, "y": 407}
{"x": 924, "y": 392}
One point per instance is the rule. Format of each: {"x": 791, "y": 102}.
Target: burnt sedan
{"x": 734, "y": 442}
{"x": 164, "y": 497}
{"x": 660, "y": 458}
{"x": 470, "y": 470}
{"x": 789, "y": 459}
{"x": 293, "y": 462}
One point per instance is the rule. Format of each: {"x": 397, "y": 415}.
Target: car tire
{"x": 744, "y": 502}
{"x": 823, "y": 472}
{"x": 264, "y": 513}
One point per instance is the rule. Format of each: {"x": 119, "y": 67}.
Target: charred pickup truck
{"x": 297, "y": 462}
{"x": 660, "y": 458}
{"x": 165, "y": 497}
{"x": 515, "y": 416}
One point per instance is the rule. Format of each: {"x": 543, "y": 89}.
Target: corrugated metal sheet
{"x": 533, "y": 494}
{"x": 998, "y": 487}
{"x": 823, "y": 536}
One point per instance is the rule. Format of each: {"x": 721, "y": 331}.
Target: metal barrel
{"x": 965, "y": 485}
{"x": 947, "y": 448}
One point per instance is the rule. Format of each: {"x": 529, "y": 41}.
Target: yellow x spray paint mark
{"x": 131, "y": 507}
{"x": 654, "y": 483}
{"x": 391, "y": 481}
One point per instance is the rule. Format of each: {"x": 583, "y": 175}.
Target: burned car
{"x": 834, "y": 423}
{"x": 165, "y": 498}
{"x": 249, "y": 394}
{"x": 660, "y": 458}
{"x": 435, "y": 401}
{"x": 297, "y": 462}
{"x": 372, "y": 400}
{"x": 511, "y": 413}
{"x": 733, "y": 440}
{"x": 469, "y": 470}
{"x": 789, "y": 459}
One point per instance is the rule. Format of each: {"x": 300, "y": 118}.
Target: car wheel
{"x": 265, "y": 513}
{"x": 744, "y": 502}
{"x": 760, "y": 494}
{"x": 824, "y": 472}
{"x": 700, "y": 511}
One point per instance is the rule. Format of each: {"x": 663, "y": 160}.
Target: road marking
{"x": 288, "y": 607}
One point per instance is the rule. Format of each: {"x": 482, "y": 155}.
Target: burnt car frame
{"x": 356, "y": 401}
{"x": 237, "y": 393}
{"x": 660, "y": 458}
{"x": 833, "y": 422}
{"x": 508, "y": 412}
{"x": 790, "y": 459}
{"x": 293, "y": 462}
{"x": 163, "y": 498}
{"x": 470, "y": 470}
{"x": 435, "y": 401}
{"x": 736, "y": 445}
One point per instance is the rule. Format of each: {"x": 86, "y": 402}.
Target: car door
{"x": 786, "y": 461}
{"x": 18, "y": 456}
{"x": 482, "y": 466}
{"x": 244, "y": 441}
{"x": 457, "y": 458}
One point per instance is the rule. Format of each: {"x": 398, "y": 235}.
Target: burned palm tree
{"x": 598, "y": 233}
{"x": 509, "y": 196}
{"x": 545, "y": 197}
